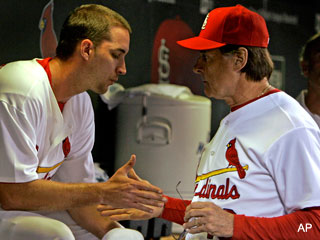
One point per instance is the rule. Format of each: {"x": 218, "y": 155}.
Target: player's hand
{"x": 126, "y": 190}
{"x": 208, "y": 217}
{"x": 120, "y": 214}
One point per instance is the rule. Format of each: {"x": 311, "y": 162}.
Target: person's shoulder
{"x": 24, "y": 79}
{"x": 22, "y": 71}
{"x": 295, "y": 111}
{"x": 284, "y": 100}
{"x": 20, "y": 66}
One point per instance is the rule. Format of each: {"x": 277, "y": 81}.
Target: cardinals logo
{"x": 207, "y": 187}
{"x": 234, "y": 164}
{"x": 233, "y": 159}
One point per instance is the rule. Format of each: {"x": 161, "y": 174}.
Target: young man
{"x": 310, "y": 65}
{"x": 47, "y": 134}
{"x": 258, "y": 178}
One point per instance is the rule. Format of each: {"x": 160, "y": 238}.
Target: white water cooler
{"x": 166, "y": 134}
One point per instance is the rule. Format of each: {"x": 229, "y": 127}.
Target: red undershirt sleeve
{"x": 302, "y": 224}
{"x": 174, "y": 210}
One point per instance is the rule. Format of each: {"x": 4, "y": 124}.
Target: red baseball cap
{"x": 235, "y": 25}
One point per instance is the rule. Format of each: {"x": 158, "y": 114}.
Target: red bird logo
{"x": 233, "y": 159}
{"x": 48, "y": 38}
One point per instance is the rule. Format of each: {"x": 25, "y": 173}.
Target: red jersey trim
{"x": 45, "y": 64}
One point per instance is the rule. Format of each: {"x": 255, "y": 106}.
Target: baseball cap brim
{"x": 199, "y": 43}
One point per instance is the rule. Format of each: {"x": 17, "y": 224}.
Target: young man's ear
{"x": 241, "y": 58}
{"x": 86, "y": 48}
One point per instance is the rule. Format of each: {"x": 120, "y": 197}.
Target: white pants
{"x": 21, "y": 225}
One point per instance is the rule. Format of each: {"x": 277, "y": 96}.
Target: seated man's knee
{"x": 123, "y": 233}
{"x": 34, "y": 227}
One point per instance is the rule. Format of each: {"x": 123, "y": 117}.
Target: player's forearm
{"x": 91, "y": 220}
{"x": 48, "y": 195}
{"x": 303, "y": 224}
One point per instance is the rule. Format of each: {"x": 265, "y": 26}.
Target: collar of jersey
{"x": 45, "y": 64}
{"x": 252, "y": 100}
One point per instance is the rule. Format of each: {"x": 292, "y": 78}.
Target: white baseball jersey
{"x": 263, "y": 161}
{"x": 301, "y": 99}
{"x": 32, "y": 128}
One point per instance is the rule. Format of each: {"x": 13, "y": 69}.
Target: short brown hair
{"x": 311, "y": 46}
{"x": 89, "y": 21}
{"x": 259, "y": 63}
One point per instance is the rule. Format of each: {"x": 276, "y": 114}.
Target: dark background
{"x": 290, "y": 24}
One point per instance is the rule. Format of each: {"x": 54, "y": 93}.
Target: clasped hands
{"x": 199, "y": 216}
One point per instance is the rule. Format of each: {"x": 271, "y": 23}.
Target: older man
{"x": 258, "y": 178}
